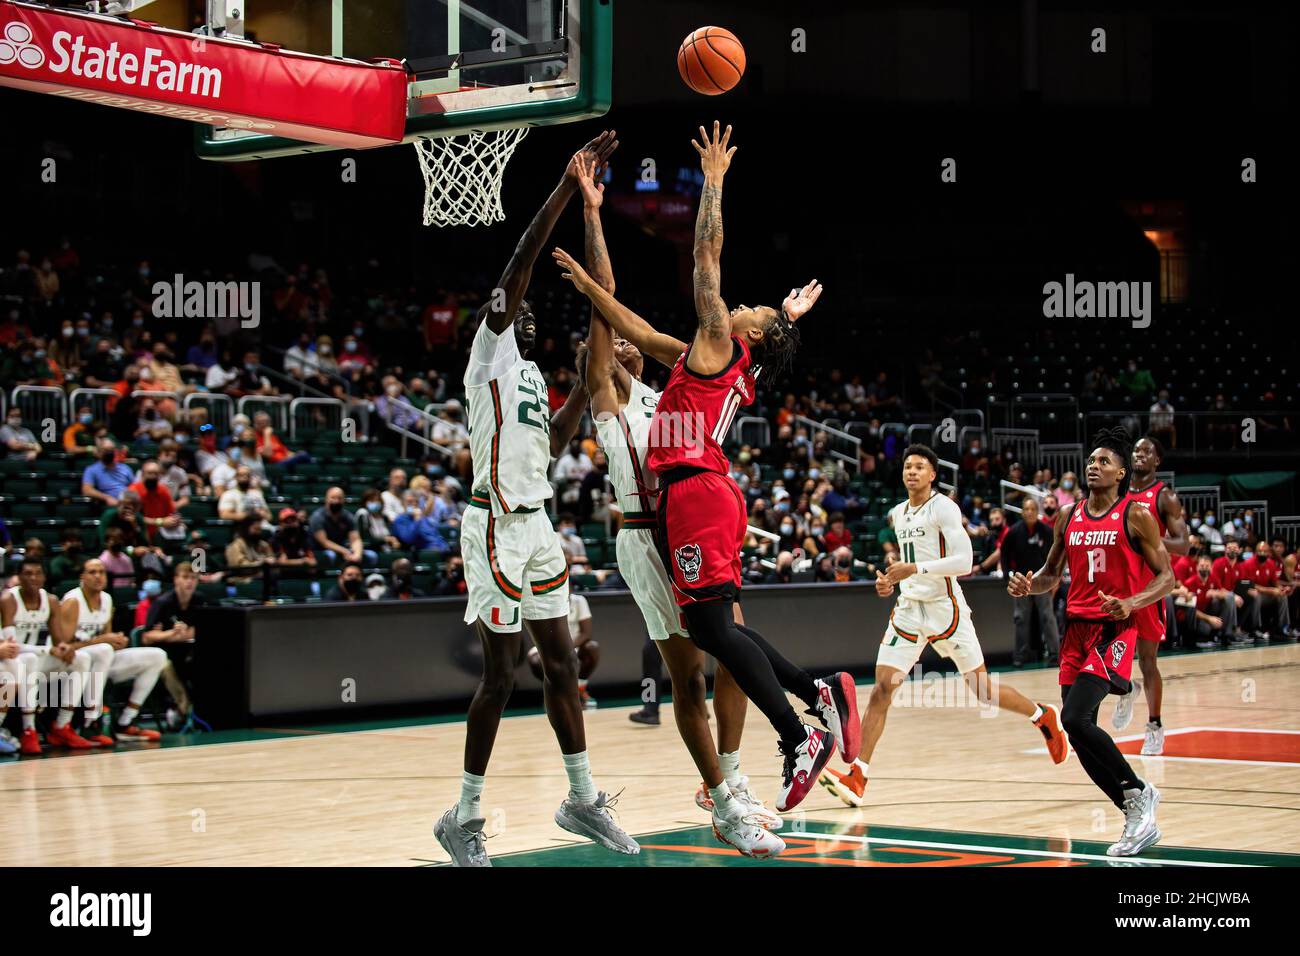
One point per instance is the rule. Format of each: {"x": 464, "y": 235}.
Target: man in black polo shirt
{"x": 170, "y": 626}
{"x": 350, "y": 586}
{"x": 403, "y": 586}
{"x": 1024, "y": 549}
{"x": 334, "y": 532}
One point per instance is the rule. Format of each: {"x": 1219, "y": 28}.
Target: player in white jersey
{"x": 934, "y": 551}
{"x": 622, "y": 407}
{"x": 34, "y": 652}
{"x": 87, "y": 613}
{"x": 514, "y": 566}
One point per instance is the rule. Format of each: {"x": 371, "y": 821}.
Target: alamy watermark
{"x": 179, "y": 299}
{"x": 1082, "y": 299}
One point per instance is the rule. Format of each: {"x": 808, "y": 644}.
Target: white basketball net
{"x": 462, "y": 176}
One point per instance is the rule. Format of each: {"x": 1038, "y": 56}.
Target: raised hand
{"x": 799, "y": 301}
{"x": 599, "y": 149}
{"x": 590, "y": 171}
{"x": 575, "y": 274}
{"x": 715, "y": 157}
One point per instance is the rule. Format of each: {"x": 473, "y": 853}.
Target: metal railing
{"x": 331, "y": 414}
{"x": 277, "y": 406}
{"x": 41, "y": 402}
{"x": 849, "y": 448}
{"x": 316, "y": 369}
{"x": 1229, "y": 510}
{"x": 96, "y": 399}
{"x": 1023, "y": 442}
{"x": 221, "y": 408}
{"x": 1248, "y": 433}
{"x": 956, "y": 470}
{"x": 1003, "y": 485}
{"x": 1198, "y": 499}
{"x": 752, "y": 430}
{"x": 1061, "y": 458}
{"x": 1287, "y": 527}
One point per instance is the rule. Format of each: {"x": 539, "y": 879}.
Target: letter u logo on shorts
{"x": 496, "y": 618}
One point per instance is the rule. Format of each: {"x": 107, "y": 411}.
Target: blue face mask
{"x": 374, "y": 507}
{"x": 234, "y": 454}
{"x": 789, "y": 474}
{"x": 1209, "y": 519}
{"x": 152, "y": 587}
{"x": 85, "y": 419}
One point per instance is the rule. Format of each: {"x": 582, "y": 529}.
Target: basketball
{"x": 711, "y": 60}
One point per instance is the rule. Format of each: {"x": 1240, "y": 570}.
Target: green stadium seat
{"x": 27, "y": 510}
{"x": 584, "y": 581}
{"x": 24, "y": 485}
{"x": 46, "y": 466}
{"x": 296, "y": 588}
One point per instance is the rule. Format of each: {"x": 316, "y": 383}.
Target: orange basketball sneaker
{"x": 137, "y": 733}
{"x": 849, "y": 787}
{"x": 1058, "y": 745}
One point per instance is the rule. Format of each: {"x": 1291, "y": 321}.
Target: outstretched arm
{"x": 519, "y": 270}
{"x": 602, "y": 372}
{"x": 626, "y": 323}
{"x": 712, "y": 349}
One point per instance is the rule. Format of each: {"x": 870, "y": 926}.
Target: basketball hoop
{"x": 462, "y": 175}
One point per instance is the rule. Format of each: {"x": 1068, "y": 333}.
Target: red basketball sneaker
{"x": 837, "y": 709}
{"x": 65, "y": 736}
{"x": 803, "y": 765}
{"x": 30, "y": 744}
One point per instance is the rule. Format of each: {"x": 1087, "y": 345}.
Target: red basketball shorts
{"x": 701, "y": 527}
{"x": 1150, "y": 621}
{"x": 1104, "y": 649}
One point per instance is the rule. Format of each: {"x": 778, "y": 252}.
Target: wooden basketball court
{"x": 949, "y": 787}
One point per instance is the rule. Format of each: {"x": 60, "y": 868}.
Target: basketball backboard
{"x": 475, "y": 64}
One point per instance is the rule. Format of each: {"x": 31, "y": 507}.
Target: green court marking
{"x": 828, "y": 844}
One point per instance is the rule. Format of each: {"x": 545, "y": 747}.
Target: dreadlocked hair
{"x": 1117, "y": 440}
{"x": 780, "y": 342}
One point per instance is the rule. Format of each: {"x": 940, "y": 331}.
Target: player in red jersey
{"x": 1109, "y": 544}
{"x": 1155, "y": 496}
{"x": 700, "y": 510}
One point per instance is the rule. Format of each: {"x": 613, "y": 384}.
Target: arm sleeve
{"x": 491, "y": 355}
{"x": 959, "y": 558}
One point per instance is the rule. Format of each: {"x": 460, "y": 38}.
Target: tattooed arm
{"x": 712, "y": 347}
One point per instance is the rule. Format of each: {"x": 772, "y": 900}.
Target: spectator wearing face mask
{"x": 248, "y": 555}
{"x": 1210, "y": 611}
{"x": 391, "y": 497}
{"x": 424, "y": 512}
{"x": 116, "y": 557}
{"x": 572, "y": 545}
{"x": 291, "y": 543}
{"x": 17, "y": 440}
{"x": 334, "y": 531}
{"x": 1050, "y": 510}
{"x": 108, "y": 478}
{"x": 1210, "y": 534}
{"x": 243, "y": 499}
{"x": 1272, "y": 617}
{"x": 783, "y": 573}
{"x": 251, "y": 381}
{"x": 171, "y": 474}
{"x": 394, "y": 407}
{"x": 156, "y": 505}
{"x": 373, "y": 526}
{"x": 150, "y": 589}
{"x": 403, "y": 587}
{"x": 68, "y": 563}
{"x": 222, "y": 375}
{"x": 1067, "y": 492}
{"x": 271, "y": 448}
{"x": 208, "y": 457}
{"x": 79, "y": 436}
{"x": 350, "y": 585}
{"x": 448, "y": 430}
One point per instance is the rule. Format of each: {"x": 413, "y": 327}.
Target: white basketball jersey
{"x": 626, "y": 440}
{"x": 509, "y": 423}
{"x": 92, "y": 623}
{"x": 920, "y": 538}
{"x": 32, "y": 627}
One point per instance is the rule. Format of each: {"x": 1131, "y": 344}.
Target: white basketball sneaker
{"x": 1123, "y": 715}
{"x": 750, "y": 840}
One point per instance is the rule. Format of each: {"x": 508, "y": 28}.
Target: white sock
{"x": 578, "y": 768}
{"x": 129, "y": 713}
{"x": 723, "y": 801}
{"x": 582, "y": 683}
{"x": 1038, "y": 712}
{"x": 729, "y": 764}
{"x": 29, "y": 719}
{"x": 91, "y": 715}
{"x": 862, "y": 764}
{"x": 471, "y": 785}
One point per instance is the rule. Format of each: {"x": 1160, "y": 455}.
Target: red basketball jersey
{"x": 1101, "y": 557}
{"x": 1149, "y": 498}
{"x": 695, "y": 413}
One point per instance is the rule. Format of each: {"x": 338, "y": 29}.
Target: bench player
{"x": 39, "y": 647}
{"x": 622, "y": 407}
{"x": 1109, "y": 544}
{"x": 87, "y": 619}
{"x": 514, "y": 566}
{"x": 934, "y": 551}
{"x": 1155, "y": 496}
{"x": 700, "y": 511}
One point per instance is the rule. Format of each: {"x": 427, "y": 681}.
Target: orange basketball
{"x": 711, "y": 60}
